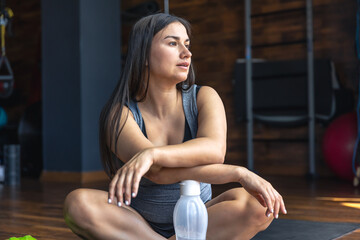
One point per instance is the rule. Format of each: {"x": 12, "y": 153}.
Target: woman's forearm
{"x": 212, "y": 173}
{"x": 198, "y": 151}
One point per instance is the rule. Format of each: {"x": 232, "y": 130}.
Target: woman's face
{"x": 170, "y": 57}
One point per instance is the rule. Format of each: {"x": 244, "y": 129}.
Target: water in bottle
{"x": 190, "y": 214}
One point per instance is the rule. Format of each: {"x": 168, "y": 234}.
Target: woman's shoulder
{"x": 207, "y": 95}
{"x": 134, "y": 111}
{"x": 196, "y": 88}
{"x": 199, "y": 92}
{"x": 207, "y": 91}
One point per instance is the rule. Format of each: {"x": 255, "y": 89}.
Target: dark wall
{"x": 100, "y": 69}
{"x": 218, "y": 29}
{"x": 218, "y": 40}
{"x": 81, "y": 65}
{"x": 61, "y": 85}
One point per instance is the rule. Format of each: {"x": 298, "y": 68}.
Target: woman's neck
{"x": 161, "y": 101}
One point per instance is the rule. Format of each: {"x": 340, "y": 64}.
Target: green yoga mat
{"x": 283, "y": 229}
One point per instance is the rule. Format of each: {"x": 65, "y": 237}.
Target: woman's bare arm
{"x": 211, "y": 173}
{"x": 261, "y": 189}
{"x": 208, "y": 147}
{"x": 141, "y": 156}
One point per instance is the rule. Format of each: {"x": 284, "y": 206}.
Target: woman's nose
{"x": 186, "y": 53}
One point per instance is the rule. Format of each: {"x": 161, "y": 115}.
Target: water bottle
{"x": 190, "y": 214}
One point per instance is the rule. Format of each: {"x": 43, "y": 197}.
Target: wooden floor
{"x": 35, "y": 208}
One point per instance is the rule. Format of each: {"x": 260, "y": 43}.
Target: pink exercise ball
{"x": 338, "y": 145}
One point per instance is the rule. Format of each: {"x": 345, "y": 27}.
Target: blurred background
{"x": 66, "y": 57}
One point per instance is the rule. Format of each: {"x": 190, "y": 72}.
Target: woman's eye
{"x": 173, "y": 43}
{"x": 187, "y": 46}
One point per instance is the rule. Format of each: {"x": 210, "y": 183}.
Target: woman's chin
{"x": 181, "y": 78}
{"x": 180, "y": 81}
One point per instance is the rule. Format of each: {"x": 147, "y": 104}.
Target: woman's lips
{"x": 183, "y": 65}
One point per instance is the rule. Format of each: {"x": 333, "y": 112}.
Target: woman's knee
{"x": 258, "y": 216}
{"x": 77, "y": 208}
{"x": 74, "y": 200}
{"x": 250, "y": 208}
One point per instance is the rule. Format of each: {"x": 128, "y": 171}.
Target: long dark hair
{"x": 133, "y": 83}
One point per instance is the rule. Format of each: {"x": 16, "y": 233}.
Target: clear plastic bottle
{"x": 190, "y": 214}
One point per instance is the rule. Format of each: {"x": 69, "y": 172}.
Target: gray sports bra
{"x": 156, "y": 202}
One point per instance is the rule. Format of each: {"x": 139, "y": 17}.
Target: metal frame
{"x": 166, "y": 6}
{"x": 311, "y": 87}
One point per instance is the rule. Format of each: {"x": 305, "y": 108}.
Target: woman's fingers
{"x": 128, "y": 186}
{"x": 276, "y": 208}
{"x": 112, "y": 187}
{"x": 135, "y": 185}
{"x": 282, "y": 206}
{"x": 272, "y": 197}
{"x": 268, "y": 200}
{"x": 269, "y": 203}
{"x": 125, "y": 183}
{"x": 261, "y": 200}
{"x": 273, "y": 200}
{"x": 277, "y": 203}
{"x": 119, "y": 189}
{"x": 265, "y": 193}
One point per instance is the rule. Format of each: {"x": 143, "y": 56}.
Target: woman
{"x": 157, "y": 129}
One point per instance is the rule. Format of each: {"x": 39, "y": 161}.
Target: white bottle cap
{"x": 190, "y": 188}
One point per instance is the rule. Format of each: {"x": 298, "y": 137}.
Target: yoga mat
{"x": 283, "y": 229}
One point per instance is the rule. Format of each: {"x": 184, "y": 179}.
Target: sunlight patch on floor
{"x": 352, "y": 205}
{"x": 335, "y": 199}
{"x": 347, "y": 202}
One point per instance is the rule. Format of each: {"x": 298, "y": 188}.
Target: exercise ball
{"x": 3, "y": 117}
{"x": 338, "y": 145}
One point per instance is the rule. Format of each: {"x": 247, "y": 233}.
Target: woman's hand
{"x": 264, "y": 192}
{"x": 126, "y": 181}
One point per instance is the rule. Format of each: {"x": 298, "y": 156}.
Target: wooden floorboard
{"x": 35, "y": 207}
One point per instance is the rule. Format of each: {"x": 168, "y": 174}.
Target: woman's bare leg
{"x": 89, "y": 215}
{"x": 235, "y": 215}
